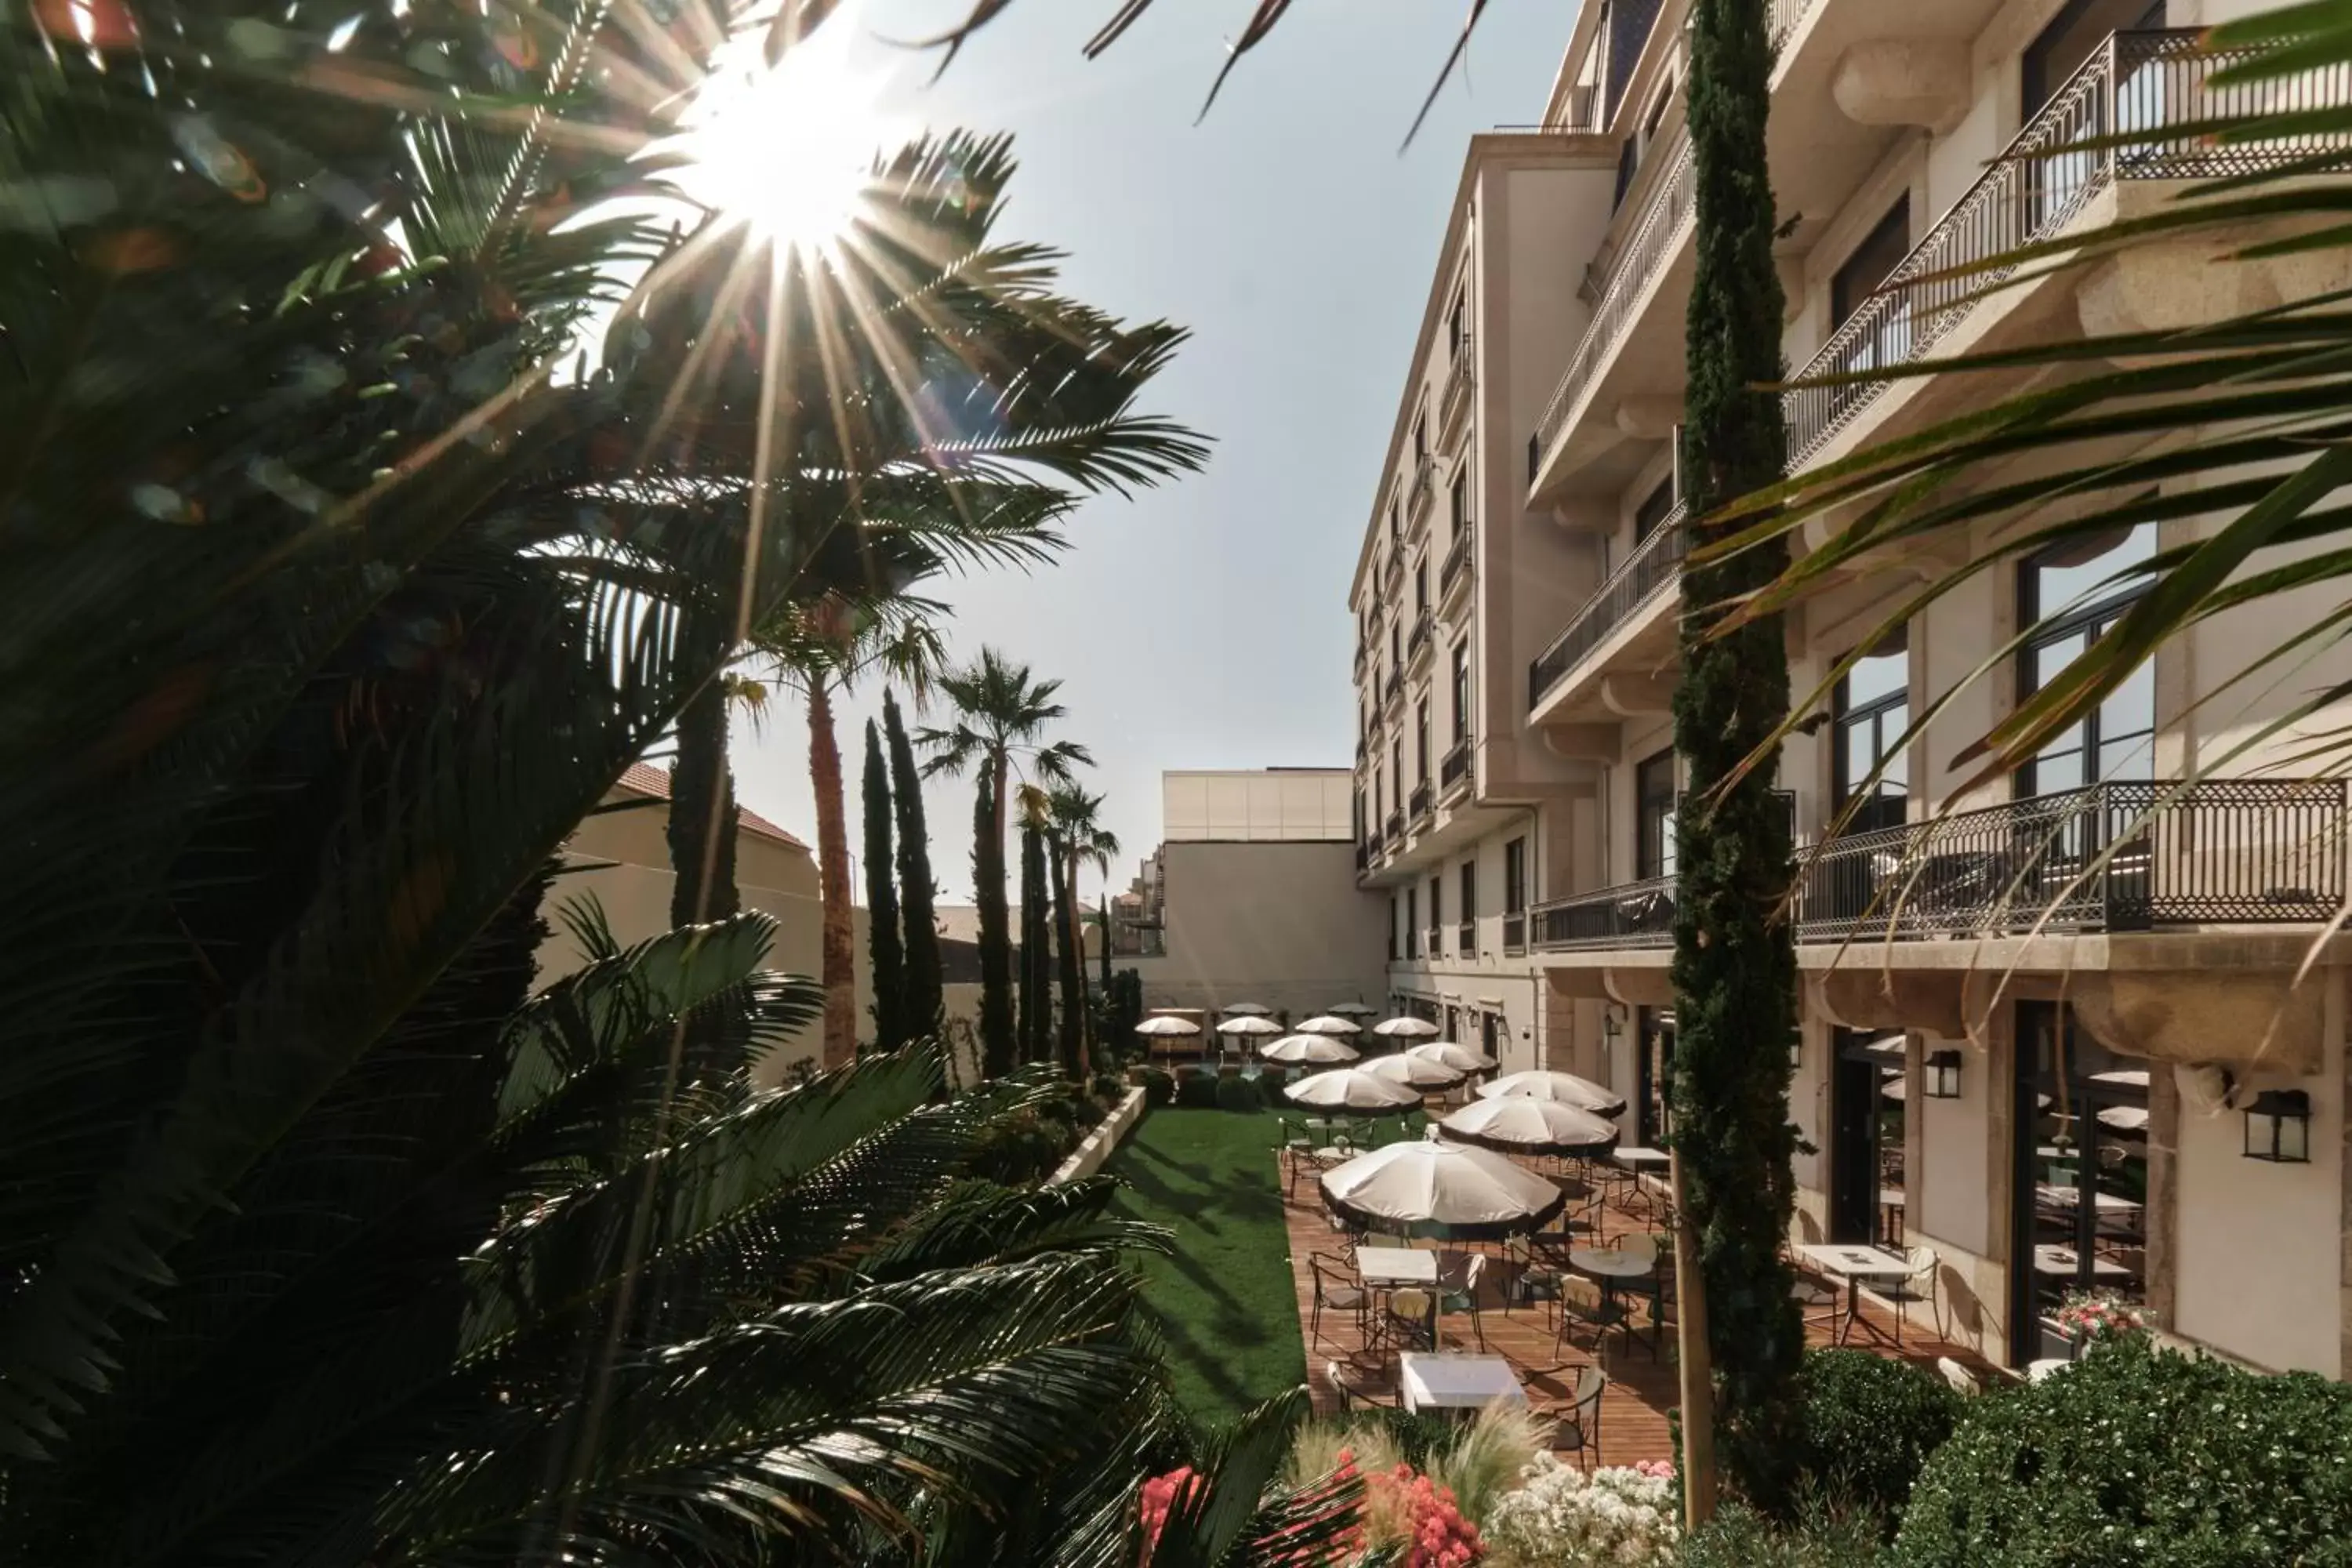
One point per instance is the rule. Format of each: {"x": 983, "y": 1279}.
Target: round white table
{"x": 1610, "y": 1266}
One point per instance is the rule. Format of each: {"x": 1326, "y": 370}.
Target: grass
{"x": 1224, "y": 1299}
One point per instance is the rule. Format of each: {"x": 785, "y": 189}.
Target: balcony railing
{"x": 1363, "y": 857}
{"x": 1457, "y": 561}
{"x": 1396, "y": 828}
{"x": 1361, "y": 655}
{"x": 1455, "y": 769}
{"x": 1515, "y": 932}
{"x": 1393, "y": 688}
{"x": 1419, "y": 808}
{"x": 1458, "y": 380}
{"x": 1654, "y": 566}
{"x": 1465, "y": 938}
{"x": 2148, "y": 81}
{"x": 2113, "y": 858}
{"x": 1420, "y": 491}
{"x": 1435, "y": 936}
{"x": 1416, "y": 641}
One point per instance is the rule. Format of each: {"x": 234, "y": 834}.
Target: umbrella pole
{"x": 1697, "y": 1368}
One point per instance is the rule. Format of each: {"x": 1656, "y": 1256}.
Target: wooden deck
{"x": 1644, "y": 1376}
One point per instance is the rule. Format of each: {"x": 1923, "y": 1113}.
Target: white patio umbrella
{"x": 1519, "y": 1125}
{"x": 1462, "y": 1058}
{"x": 1447, "y": 1189}
{"x": 1355, "y": 1010}
{"x": 1404, "y": 1030}
{"x": 1415, "y": 1072}
{"x": 1352, "y": 1088}
{"x": 1249, "y": 1024}
{"x": 1564, "y": 1087}
{"x": 1324, "y": 1024}
{"x": 1308, "y": 1050}
{"x": 1246, "y": 1009}
{"x": 1165, "y": 1024}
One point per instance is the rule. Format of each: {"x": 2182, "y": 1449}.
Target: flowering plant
{"x": 2094, "y": 1315}
{"x": 1561, "y": 1515}
{"x": 1401, "y": 1508}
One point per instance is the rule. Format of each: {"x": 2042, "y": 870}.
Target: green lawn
{"x": 1224, "y": 1297}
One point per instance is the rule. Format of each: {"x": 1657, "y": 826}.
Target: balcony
{"x": 1395, "y": 834}
{"x": 1515, "y": 932}
{"x": 1393, "y": 688}
{"x": 1363, "y": 857}
{"x": 1456, "y": 570}
{"x": 2136, "y": 82}
{"x": 1417, "y": 642}
{"x": 1654, "y": 566}
{"x": 2110, "y": 858}
{"x": 1454, "y": 772}
{"x": 1421, "y": 490}
{"x": 1435, "y": 936}
{"x": 1465, "y": 938}
{"x": 1418, "y": 808}
{"x": 1362, "y": 654}
{"x": 1461, "y": 376}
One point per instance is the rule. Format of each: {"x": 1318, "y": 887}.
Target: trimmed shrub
{"x": 1159, "y": 1087}
{"x": 1870, "y": 1425}
{"x": 2135, "y": 1458}
{"x": 1271, "y": 1081}
{"x": 1109, "y": 1088}
{"x": 1022, "y": 1150}
{"x": 1237, "y": 1094}
{"x": 1740, "y": 1538}
{"x": 1195, "y": 1089}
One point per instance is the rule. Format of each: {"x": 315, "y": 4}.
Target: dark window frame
{"x": 2090, "y": 621}
{"x": 1892, "y": 230}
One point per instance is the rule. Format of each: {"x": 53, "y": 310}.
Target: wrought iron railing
{"x": 1654, "y": 565}
{"x": 1363, "y": 855}
{"x": 2150, "y": 81}
{"x": 1457, "y": 561}
{"x": 1417, "y": 640}
{"x": 1465, "y": 938}
{"x": 1395, "y": 826}
{"x": 1454, "y": 768}
{"x": 2111, "y": 857}
{"x": 1664, "y": 218}
{"x": 1458, "y": 381}
{"x": 1362, "y": 654}
{"x": 1515, "y": 932}
{"x": 1419, "y": 806}
{"x": 1394, "y": 686}
{"x": 1435, "y": 936}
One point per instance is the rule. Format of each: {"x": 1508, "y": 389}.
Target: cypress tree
{"x": 886, "y": 952}
{"x": 1072, "y": 966}
{"x": 1036, "y": 970}
{"x": 1106, "y": 941}
{"x": 1735, "y": 960}
{"x": 918, "y": 896}
{"x": 997, "y": 1050}
{"x": 701, "y": 818}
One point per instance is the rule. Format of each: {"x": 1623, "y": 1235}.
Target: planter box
{"x": 1090, "y": 1154}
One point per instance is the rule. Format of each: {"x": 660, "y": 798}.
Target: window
{"x": 1881, "y": 251}
{"x": 1396, "y": 644}
{"x": 1396, "y": 769}
{"x": 1437, "y": 917}
{"x": 2073, "y": 586}
{"x": 1396, "y": 913}
{"x": 1872, "y": 708}
{"x": 1421, "y": 737}
{"x": 1514, "y": 876}
{"x": 1420, "y": 440}
{"x": 1460, "y": 502}
{"x": 1458, "y": 328}
{"x": 1468, "y": 913}
{"x": 1411, "y": 923}
{"x": 2078, "y": 29}
{"x": 1653, "y": 816}
{"x": 1462, "y": 691}
{"x": 1421, "y": 589}
{"x": 1654, "y": 509}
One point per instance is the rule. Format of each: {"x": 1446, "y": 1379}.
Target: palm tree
{"x": 819, "y": 649}
{"x": 1079, "y": 840}
{"x": 1036, "y": 1028}
{"x": 1000, "y": 715}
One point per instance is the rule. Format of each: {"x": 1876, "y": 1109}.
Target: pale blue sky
{"x": 1205, "y": 623}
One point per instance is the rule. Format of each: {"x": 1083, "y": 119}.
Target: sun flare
{"x": 790, "y": 151}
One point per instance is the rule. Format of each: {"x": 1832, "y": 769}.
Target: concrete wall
{"x": 1267, "y": 804}
{"x": 1277, "y": 923}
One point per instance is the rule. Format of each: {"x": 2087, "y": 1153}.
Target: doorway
{"x": 1654, "y": 1073}
{"x": 2079, "y": 1195}
{"x": 1866, "y": 1135}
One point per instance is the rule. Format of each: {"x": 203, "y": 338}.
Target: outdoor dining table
{"x": 1436, "y": 1380}
{"x": 1609, "y": 1266}
{"x": 1392, "y": 1266}
{"x": 1641, "y": 1161}
{"x": 1854, "y": 1263}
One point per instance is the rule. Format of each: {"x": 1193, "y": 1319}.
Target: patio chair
{"x": 1920, "y": 1285}
{"x": 1531, "y": 1278}
{"x": 1463, "y": 1297}
{"x": 1583, "y": 1304}
{"x": 1353, "y": 1384}
{"x": 1335, "y": 1288}
{"x": 1409, "y": 1320}
{"x": 1578, "y": 1427}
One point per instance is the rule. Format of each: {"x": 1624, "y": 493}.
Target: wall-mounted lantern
{"x": 2278, "y": 1126}
{"x": 1943, "y": 1073}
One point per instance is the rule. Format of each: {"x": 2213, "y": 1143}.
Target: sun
{"x": 788, "y": 151}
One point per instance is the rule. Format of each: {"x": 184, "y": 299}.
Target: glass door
{"x": 1866, "y": 1134}
{"x": 1654, "y": 1071}
{"x": 2079, "y": 1203}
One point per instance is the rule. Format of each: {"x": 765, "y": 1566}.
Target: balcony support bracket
{"x": 1638, "y": 696}
{"x": 1644, "y": 987}
{"x": 1584, "y": 742}
{"x": 2259, "y": 1020}
{"x": 1904, "y": 81}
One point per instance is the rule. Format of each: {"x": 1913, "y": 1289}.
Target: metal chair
{"x": 1920, "y": 1285}
{"x": 1531, "y": 1278}
{"x": 1410, "y": 1319}
{"x": 1334, "y": 1287}
{"x": 1579, "y": 1425}
{"x": 1582, "y": 1303}
{"x": 1353, "y": 1385}
{"x": 1463, "y": 1297}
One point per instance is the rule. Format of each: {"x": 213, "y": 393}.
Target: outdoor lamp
{"x": 2278, "y": 1126}
{"x": 1944, "y": 1075}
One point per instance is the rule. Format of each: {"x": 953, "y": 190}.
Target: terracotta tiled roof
{"x": 645, "y": 779}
